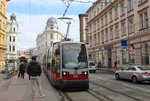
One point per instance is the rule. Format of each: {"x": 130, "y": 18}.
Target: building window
{"x": 117, "y": 31}
{"x": 142, "y": 1}
{"x": 0, "y": 39}
{"x": 131, "y": 25}
{"x": 144, "y": 19}
{"x": 123, "y": 28}
{"x": 122, "y": 8}
{"x": 106, "y": 35}
{"x": 13, "y": 39}
{"x": 116, "y": 11}
{"x": 0, "y": 8}
{"x": 0, "y": 24}
{"x": 97, "y": 24}
{"x": 98, "y": 38}
{"x": 106, "y": 21}
{"x": 14, "y": 30}
{"x": 97, "y": 10}
{"x": 145, "y": 54}
{"x": 110, "y": 16}
{"x": 94, "y": 13}
{"x": 102, "y": 36}
{"x": 52, "y": 36}
{"x": 111, "y": 33}
{"x": 10, "y": 38}
{"x": 131, "y": 52}
{"x": 102, "y": 22}
{"x": 13, "y": 48}
{"x": 124, "y": 56}
{"x": 9, "y": 48}
{"x": 101, "y": 7}
{"x": 95, "y": 39}
{"x": 130, "y": 5}
{"x": 118, "y": 55}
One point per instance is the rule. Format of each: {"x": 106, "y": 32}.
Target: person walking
{"x": 34, "y": 71}
{"x": 115, "y": 64}
{"x": 22, "y": 68}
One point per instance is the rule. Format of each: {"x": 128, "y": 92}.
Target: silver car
{"x": 134, "y": 72}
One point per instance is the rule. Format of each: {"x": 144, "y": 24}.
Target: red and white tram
{"x": 66, "y": 65}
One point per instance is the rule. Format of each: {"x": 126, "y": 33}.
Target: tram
{"x": 66, "y": 65}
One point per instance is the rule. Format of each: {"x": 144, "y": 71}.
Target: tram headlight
{"x": 85, "y": 73}
{"x": 65, "y": 73}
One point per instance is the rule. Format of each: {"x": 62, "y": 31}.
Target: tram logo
{"x": 75, "y": 76}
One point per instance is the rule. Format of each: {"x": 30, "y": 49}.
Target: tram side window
{"x": 57, "y": 60}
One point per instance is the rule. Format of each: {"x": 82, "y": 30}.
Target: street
{"x": 104, "y": 87}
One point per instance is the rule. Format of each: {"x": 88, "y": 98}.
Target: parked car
{"x": 92, "y": 66}
{"x": 134, "y": 72}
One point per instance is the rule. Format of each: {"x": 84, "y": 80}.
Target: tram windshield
{"x": 74, "y": 55}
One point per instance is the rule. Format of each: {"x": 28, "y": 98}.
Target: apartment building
{"x": 83, "y": 28}
{"x": 119, "y": 30}
{"x": 11, "y": 40}
{"x": 3, "y": 19}
{"x": 45, "y": 40}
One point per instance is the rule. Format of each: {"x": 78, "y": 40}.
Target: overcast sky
{"x": 32, "y": 16}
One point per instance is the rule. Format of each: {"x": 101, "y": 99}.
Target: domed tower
{"x": 13, "y": 17}
{"x": 11, "y": 40}
{"x": 51, "y": 24}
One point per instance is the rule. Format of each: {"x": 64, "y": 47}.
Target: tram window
{"x": 56, "y": 59}
{"x": 74, "y": 55}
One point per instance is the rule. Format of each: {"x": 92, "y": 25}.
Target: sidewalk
{"x": 17, "y": 89}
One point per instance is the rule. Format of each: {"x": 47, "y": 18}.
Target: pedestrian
{"x": 115, "y": 64}
{"x": 34, "y": 71}
{"x": 22, "y": 68}
{"x": 99, "y": 65}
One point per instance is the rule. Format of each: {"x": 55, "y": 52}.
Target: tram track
{"x": 67, "y": 96}
{"x": 124, "y": 86}
{"x": 115, "y": 91}
{"x": 99, "y": 96}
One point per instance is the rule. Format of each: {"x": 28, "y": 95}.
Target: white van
{"x": 92, "y": 66}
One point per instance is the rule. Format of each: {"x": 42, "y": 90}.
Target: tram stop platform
{"x": 17, "y": 89}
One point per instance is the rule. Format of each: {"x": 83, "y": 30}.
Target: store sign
{"x": 123, "y": 44}
{"x": 143, "y": 31}
{"x": 107, "y": 47}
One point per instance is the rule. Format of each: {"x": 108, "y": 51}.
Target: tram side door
{"x": 56, "y": 64}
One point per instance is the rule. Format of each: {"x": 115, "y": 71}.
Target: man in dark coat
{"x": 34, "y": 71}
{"x": 22, "y": 68}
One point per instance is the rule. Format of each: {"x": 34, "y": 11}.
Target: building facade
{"x": 83, "y": 28}
{"x": 50, "y": 35}
{"x": 119, "y": 30}
{"x": 11, "y": 40}
{"x": 3, "y": 19}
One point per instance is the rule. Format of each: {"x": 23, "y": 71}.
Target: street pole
{"x": 68, "y": 25}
